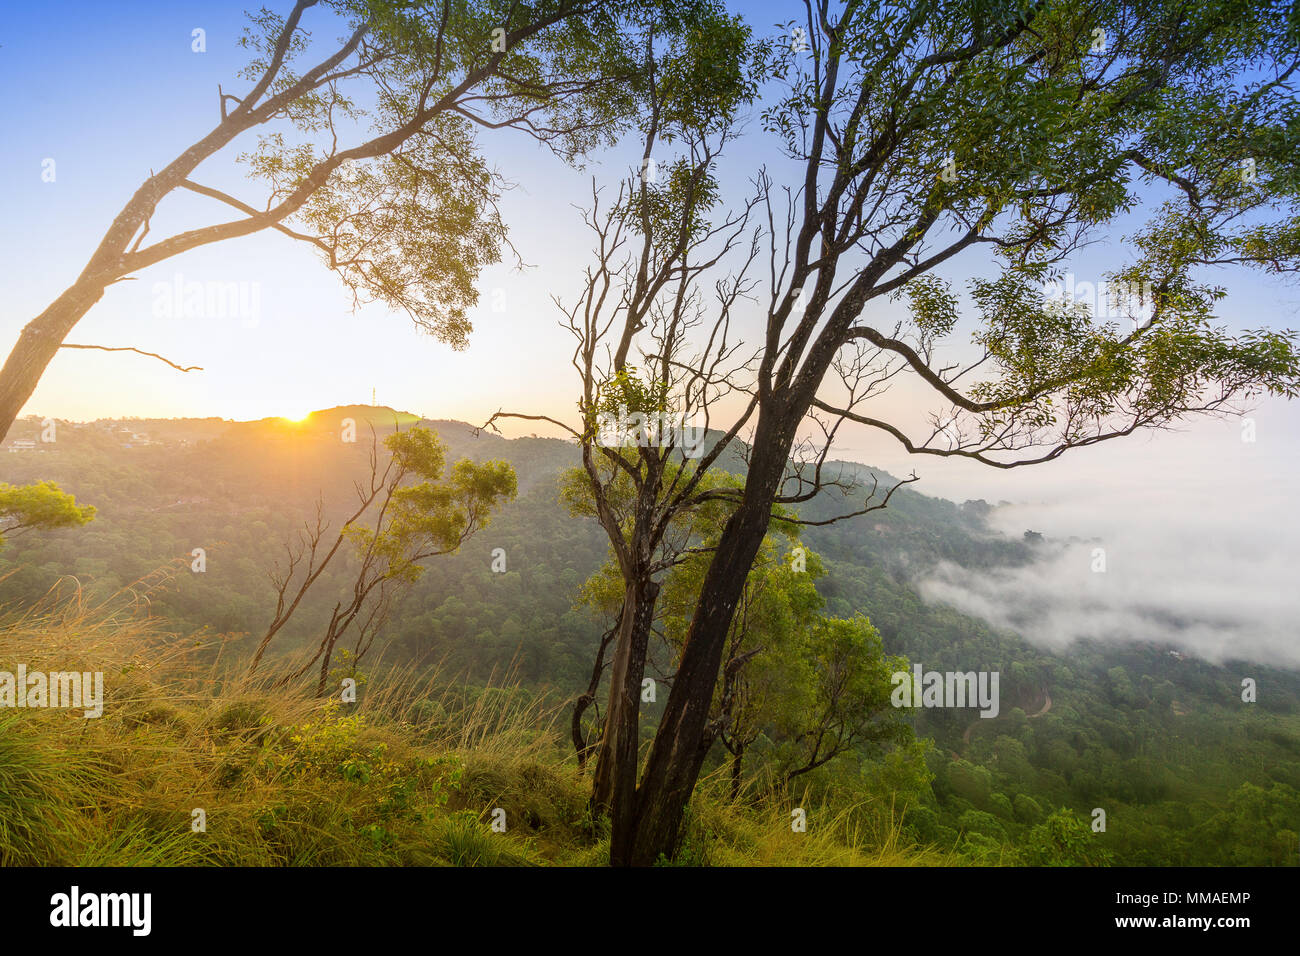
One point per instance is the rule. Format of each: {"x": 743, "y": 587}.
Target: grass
{"x": 411, "y": 774}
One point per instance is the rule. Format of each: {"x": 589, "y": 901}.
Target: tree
{"x": 817, "y": 687}
{"x": 767, "y": 678}
{"x": 847, "y": 705}
{"x": 407, "y": 513}
{"x": 1063, "y": 839}
{"x": 407, "y": 214}
{"x": 926, "y": 130}
{"x": 42, "y": 505}
{"x": 1257, "y": 827}
{"x": 669, "y": 553}
{"x": 698, "y": 72}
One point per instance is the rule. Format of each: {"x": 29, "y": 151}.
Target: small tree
{"x": 42, "y": 505}
{"x": 817, "y": 687}
{"x": 845, "y": 704}
{"x": 408, "y": 513}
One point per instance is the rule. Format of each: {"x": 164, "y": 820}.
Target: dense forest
{"x": 1184, "y": 771}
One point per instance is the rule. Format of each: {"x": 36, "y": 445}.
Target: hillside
{"x": 1155, "y": 739}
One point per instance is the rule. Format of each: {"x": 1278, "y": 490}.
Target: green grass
{"x": 409, "y": 775}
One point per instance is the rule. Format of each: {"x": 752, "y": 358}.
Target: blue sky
{"x": 109, "y": 91}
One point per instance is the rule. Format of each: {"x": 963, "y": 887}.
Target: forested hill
{"x": 241, "y": 489}
{"x": 1162, "y": 742}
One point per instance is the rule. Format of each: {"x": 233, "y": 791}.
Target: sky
{"x": 1197, "y": 518}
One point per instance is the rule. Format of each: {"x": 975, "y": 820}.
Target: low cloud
{"x": 1205, "y": 569}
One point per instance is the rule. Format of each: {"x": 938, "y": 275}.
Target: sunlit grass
{"x": 409, "y": 775}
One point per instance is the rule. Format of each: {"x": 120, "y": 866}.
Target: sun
{"x": 297, "y": 418}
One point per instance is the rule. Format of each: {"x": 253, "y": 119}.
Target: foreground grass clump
{"x": 414, "y": 773}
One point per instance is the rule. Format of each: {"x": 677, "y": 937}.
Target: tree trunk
{"x": 682, "y": 741}
{"x": 325, "y": 666}
{"x": 737, "y": 759}
{"x": 40, "y": 340}
{"x": 680, "y": 745}
{"x": 581, "y": 745}
{"x": 614, "y": 787}
{"x": 36, "y": 347}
